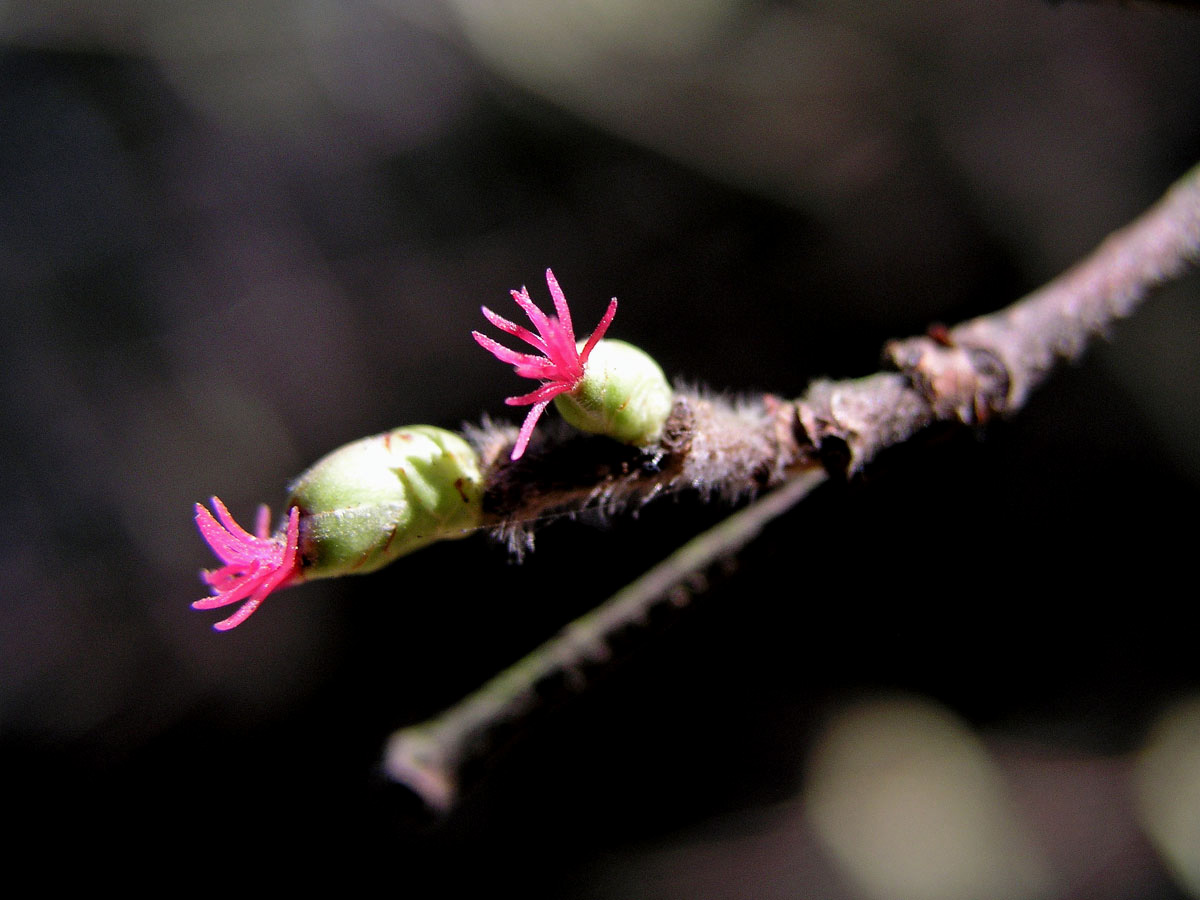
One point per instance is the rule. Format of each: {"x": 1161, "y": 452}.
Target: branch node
{"x": 968, "y": 383}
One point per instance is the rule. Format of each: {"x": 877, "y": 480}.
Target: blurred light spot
{"x": 551, "y": 40}
{"x": 906, "y": 799}
{"x": 1167, "y": 782}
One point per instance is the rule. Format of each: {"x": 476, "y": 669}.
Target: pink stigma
{"x": 254, "y": 564}
{"x": 560, "y": 365}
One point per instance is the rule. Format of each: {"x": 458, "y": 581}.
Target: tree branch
{"x": 981, "y": 368}
{"x": 991, "y": 364}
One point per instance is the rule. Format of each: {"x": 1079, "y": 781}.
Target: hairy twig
{"x": 968, "y": 373}
{"x": 710, "y": 444}
{"x": 983, "y": 367}
{"x": 991, "y": 364}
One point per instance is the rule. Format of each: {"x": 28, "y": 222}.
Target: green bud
{"x": 623, "y": 394}
{"x": 376, "y": 499}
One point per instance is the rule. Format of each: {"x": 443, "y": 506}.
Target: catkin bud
{"x": 623, "y": 394}
{"x": 376, "y": 499}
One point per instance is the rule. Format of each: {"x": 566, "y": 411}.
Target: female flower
{"x": 354, "y": 511}
{"x": 561, "y": 365}
{"x": 255, "y": 564}
{"x": 618, "y": 390}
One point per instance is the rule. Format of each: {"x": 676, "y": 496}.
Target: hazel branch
{"x": 969, "y": 373}
{"x": 981, "y": 368}
{"x": 991, "y": 364}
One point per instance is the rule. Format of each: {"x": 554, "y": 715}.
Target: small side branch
{"x": 429, "y": 757}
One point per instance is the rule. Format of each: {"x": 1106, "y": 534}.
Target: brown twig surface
{"x": 709, "y": 444}
{"x": 984, "y": 367}
{"x": 991, "y": 364}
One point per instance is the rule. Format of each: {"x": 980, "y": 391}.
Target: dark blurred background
{"x": 236, "y": 235}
